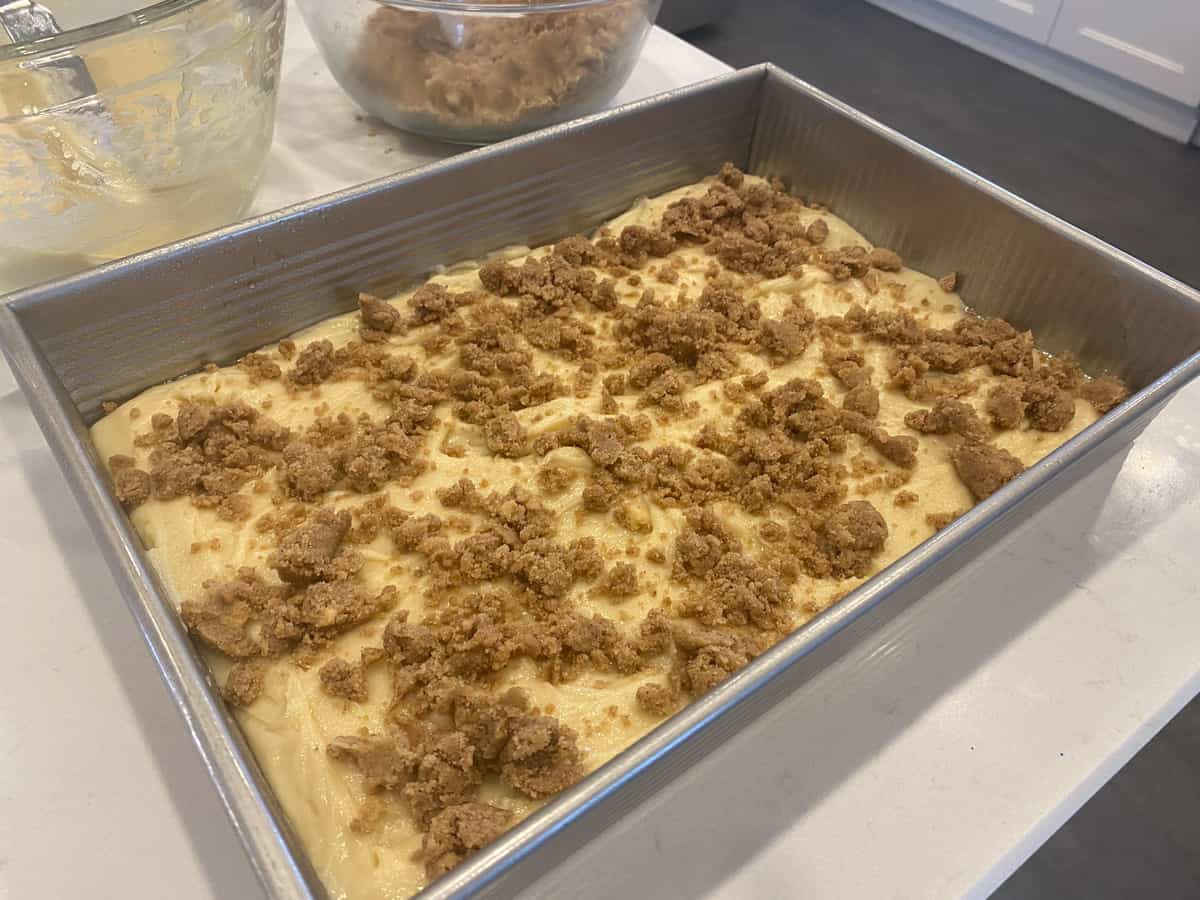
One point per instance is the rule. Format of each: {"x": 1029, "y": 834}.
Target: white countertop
{"x": 927, "y": 764}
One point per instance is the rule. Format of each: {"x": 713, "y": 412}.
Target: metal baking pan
{"x": 109, "y": 333}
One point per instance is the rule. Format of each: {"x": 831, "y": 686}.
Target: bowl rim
{"x": 74, "y": 37}
{"x": 507, "y": 7}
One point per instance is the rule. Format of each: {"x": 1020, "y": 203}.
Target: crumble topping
{"x": 457, "y": 831}
{"x": 1005, "y": 406}
{"x": 985, "y": 469}
{"x": 657, "y": 699}
{"x": 379, "y": 318}
{"x": 1104, "y": 392}
{"x": 260, "y": 366}
{"x": 133, "y": 486}
{"x": 342, "y": 679}
{"x": 618, "y": 468}
{"x": 244, "y": 682}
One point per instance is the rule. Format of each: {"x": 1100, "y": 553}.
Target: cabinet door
{"x": 1031, "y": 19}
{"x": 1154, "y": 43}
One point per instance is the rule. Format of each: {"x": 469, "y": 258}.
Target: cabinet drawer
{"x": 1154, "y": 43}
{"x": 1031, "y": 19}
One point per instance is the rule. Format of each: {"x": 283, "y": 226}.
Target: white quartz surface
{"x": 926, "y": 764}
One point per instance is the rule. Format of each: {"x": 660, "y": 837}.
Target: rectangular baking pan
{"x": 111, "y": 332}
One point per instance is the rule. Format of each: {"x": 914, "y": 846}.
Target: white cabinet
{"x": 1154, "y": 43}
{"x": 1031, "y": 19}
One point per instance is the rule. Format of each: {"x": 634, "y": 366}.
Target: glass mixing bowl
{"x": 476, "y": 72}
{"x": 164, "y": 135}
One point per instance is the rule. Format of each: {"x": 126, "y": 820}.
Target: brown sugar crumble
{"x": 260, "y": 367}
{"x": 938, "y": 521}
{"x": 501, "y": 70}
{"x": 631, "y": 462}
{"x": 985, "y": 469}
{"x": 342, "y": 679}
{"x": 244, "y": 682}
{"x": 458, "y": 831}
{"x": 657, "y": 699}
{"x": 1005, "y": 406}
{"x": 1104, "y": 392}
{"x": 621, "y": 580}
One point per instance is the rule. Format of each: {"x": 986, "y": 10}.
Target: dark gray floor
{"x": 1139, "y": 837}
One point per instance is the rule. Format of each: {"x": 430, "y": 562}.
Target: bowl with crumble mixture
{"x": 477, "y": 72}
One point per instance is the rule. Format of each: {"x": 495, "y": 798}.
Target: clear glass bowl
{"x": 476, "y": 72}
{"x": 170, "y": 142}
